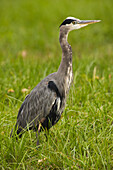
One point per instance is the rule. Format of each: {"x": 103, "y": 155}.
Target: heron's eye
{"x": 74, "y": 22}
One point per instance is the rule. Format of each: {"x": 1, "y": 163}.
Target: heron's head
{"x": 71, "y": 23}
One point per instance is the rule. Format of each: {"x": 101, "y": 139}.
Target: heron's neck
{"x": 66, "y": 52}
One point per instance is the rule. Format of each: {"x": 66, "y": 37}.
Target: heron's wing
{"x": 38, "y": 104}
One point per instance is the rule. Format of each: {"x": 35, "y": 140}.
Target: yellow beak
{"x": 82, "y": 22}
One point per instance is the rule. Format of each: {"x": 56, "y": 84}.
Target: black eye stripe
{"x": 67, "y": 21}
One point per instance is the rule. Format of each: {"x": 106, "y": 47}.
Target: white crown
{"x": 72, "y": 18}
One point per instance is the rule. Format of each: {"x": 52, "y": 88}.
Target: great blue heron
{"x": 43, "y": 107}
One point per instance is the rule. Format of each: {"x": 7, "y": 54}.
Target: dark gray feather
{"x": 42, "y": 102}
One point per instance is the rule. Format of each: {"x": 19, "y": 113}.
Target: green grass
{"x": 83, "y": 138}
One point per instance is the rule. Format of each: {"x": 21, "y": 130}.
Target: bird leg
{"x": 37, "y": 136}
{"x": 46, "y": 137}
{"x": 46, "y": 134}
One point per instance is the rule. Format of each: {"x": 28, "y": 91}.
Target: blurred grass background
{"x": 29, "y": 51}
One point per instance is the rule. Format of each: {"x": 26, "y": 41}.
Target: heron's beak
{"x": 82, "y": 22}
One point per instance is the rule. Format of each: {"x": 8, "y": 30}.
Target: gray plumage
{"x": 43, "y": 107}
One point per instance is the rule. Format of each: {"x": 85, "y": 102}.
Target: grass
{"x": 29, "y": 51}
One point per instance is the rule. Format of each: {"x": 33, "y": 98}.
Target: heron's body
{"x": 43, "y": 107}
{"x": 46, "y": 101}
